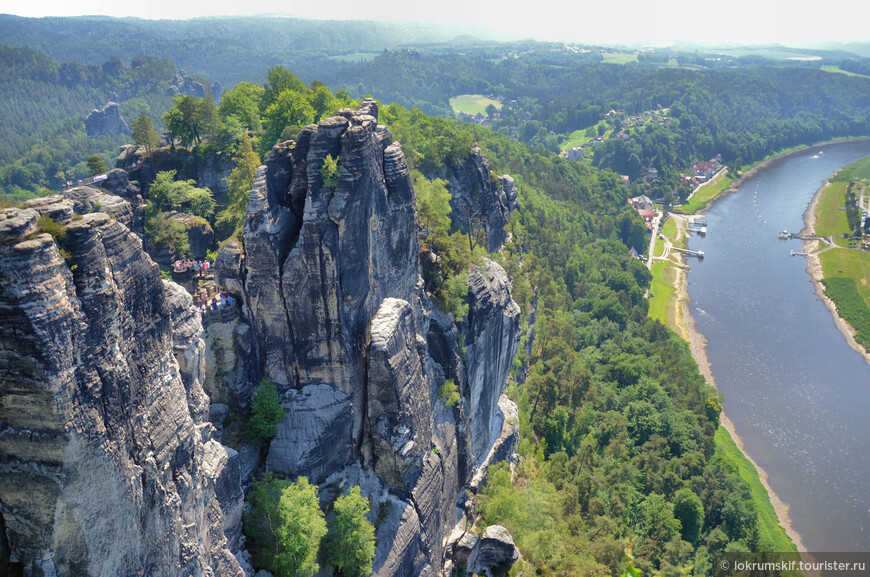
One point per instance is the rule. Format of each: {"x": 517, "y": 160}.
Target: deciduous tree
{"x": 350, "y": 541}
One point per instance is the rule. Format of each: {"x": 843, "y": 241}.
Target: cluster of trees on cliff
{"x": 617, "y": 424}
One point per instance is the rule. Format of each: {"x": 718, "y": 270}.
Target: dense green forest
{"x": 740, "y": 105}
{"x": 44, "y": 103}
{"x": 225, "y": 49}
{"x": 742, "y": 112}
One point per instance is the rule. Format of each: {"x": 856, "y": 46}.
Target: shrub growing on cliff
{"x": 329, "y": 171}
{"x": 449, "y": 392}
{"x": 350, "y": 542}
{"x": 166, "y": 231}
{"x": 284, "y": 525}
{"x": 166, "y": 192}
{"x": 266, "y": 411}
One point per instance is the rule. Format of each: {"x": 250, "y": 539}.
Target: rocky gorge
{"x": 115, "y": 396}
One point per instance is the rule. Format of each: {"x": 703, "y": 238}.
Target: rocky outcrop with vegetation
{"x": 108, "y": 120}
{"x": 479, "y": 200}
{"x": 329, "y": 281}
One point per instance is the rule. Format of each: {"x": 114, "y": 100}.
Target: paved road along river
{"x": 798, "y": 395}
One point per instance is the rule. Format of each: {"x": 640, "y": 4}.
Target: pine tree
{"x": 240, "y": 181}
{"x": 144, "y": 134}
{"x": 266, "y": 411}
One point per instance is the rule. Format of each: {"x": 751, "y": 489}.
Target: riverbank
{"x": 734, "y": 186}
{"x": 670, "y": 269}
{"x": 814, "y": 270}
{"x": 698, "y": 347}
{"x": 679, "y": 318}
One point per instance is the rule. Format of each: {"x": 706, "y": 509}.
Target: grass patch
{"x": 619, "y": 57}
{"x": 669, "y": 229}
{"x": 577, "y": 138}
{"x": 845, "y": 279}
{"x": 859, "y": 171}
{"x": 706, "y": 194}
{"x": 851, "y": 305}
{"x": 768, "y": 523}
{"x": 837, "y": 70}
{"x": 472, "y": 103}
{"x": 830, "y": 220}
{"x": 662, "y": 291}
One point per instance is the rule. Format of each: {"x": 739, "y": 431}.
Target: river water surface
{"x": 798, "y": 395}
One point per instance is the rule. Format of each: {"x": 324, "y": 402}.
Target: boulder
{"x": 494, "y": 553}
{"x": 118, "y": 183}
{"x": 312, "y": 436}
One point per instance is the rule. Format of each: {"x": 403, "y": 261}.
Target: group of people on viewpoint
{"x": 216, "y": 302}
{"x": 196, "y": 265}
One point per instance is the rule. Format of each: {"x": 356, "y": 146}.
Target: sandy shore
{"x": 814, "y": 269}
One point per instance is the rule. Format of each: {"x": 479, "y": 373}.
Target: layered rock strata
{"x": 107, "y": 462}
{"x": 329, "y": 281}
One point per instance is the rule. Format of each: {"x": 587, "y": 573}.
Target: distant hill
{"x": 226, "y": 49}
{"x": 44, "y": 102}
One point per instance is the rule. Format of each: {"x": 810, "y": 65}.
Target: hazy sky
{"x": 611, "y": 21}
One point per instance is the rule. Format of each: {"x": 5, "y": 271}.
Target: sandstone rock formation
{"x": 330, "y": 286}
{"x": 106, "y": 121}
{"x": 107, "y": 461}
{"x": 209, "y": 169}
{"x": 185, "y": 84}
{"x": 479, "y": 200}
{"x": 494, "y": 552}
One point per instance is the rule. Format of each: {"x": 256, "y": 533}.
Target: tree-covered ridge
{"x": 229, "y": 49}
{"x": 44, "y": 102}
{"x": 743, "y": 111}
{"x": 617, "y": 424}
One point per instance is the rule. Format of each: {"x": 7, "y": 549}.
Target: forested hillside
{"x": 226, "y": 49}
{"x": 617, "y": 423}
{"x": 742, "y": 112}
{"x": 44, "y": 103}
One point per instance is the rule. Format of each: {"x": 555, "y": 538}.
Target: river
{"x": 798, "y": 395}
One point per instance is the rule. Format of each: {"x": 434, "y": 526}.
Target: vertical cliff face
{"x": 329, "y": 281}
{"x": 107, "y": 465}
{"x": 479, "y": 200}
